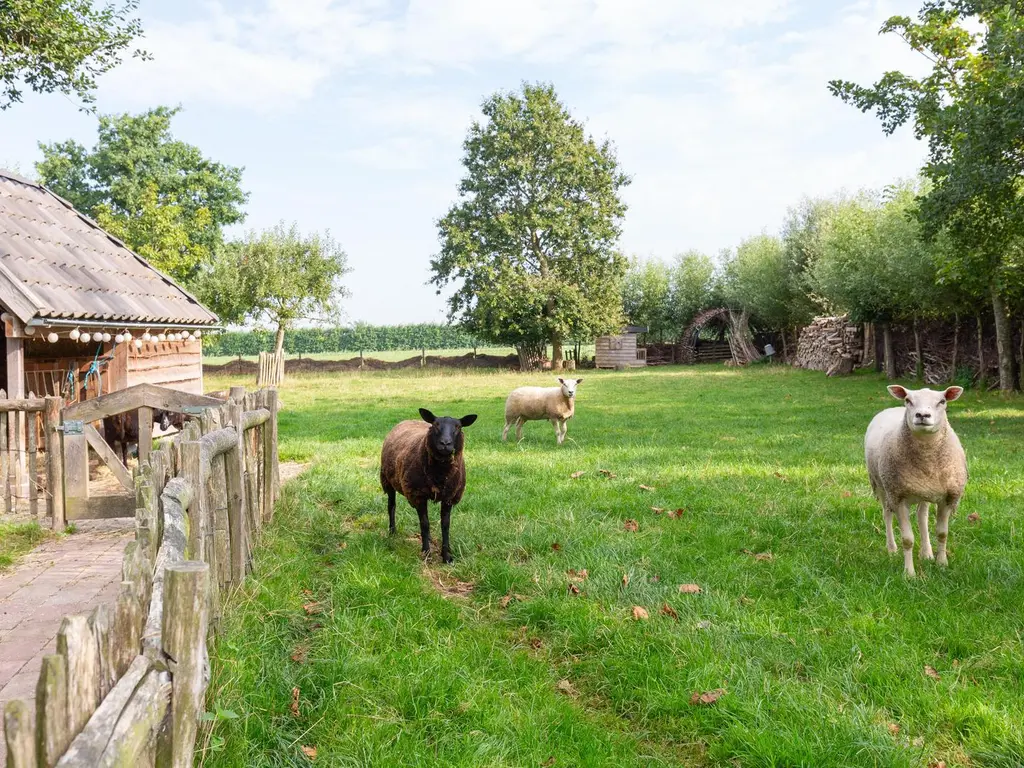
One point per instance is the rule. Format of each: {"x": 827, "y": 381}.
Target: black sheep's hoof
{"x": 448, "y": 559}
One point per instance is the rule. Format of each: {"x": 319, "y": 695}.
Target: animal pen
{"x": 127, "y": 684}
{"x": 84, "y": 318}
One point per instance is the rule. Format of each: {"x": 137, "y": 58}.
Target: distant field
{"x": 389, "y": 356}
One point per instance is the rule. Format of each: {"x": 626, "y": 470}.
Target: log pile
{"x": 830, "y": 344}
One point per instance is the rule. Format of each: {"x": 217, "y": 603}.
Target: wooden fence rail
{"x": 270, "y": 372}
{"x": 29, "y": 427}
{"x": 127, "y": 683}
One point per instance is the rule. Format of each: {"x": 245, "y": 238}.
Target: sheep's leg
{"x": 890, "y": 540}
{"x": 421, "y": 510}
{"x": 907, "y": 533}
{"x": 446, "y": 518}
{"x": 391, "y": 510}
{"x": 519, "y": 428}
{"x": 922, "y": 531}
{"x": 565, "y": 428}
{"x": 558, "y": 430}
{"x": 943, "y": 511}
{"x": 504, "y": 433}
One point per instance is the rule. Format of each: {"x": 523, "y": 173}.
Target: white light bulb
{"x": 119, "y": 338}
{"x": 52, "y": 338}
{"x": 85, "y": 338}
{"x": 162, "y": 337}
{"x": 198, "y": 334}
{"x": 30, "y": 330}
{"x": 186, "y": 335}
{"x": 138, "y": 343}
{"x": 146, "y": 336}
{"x": 127, "y": 335}
{"x": 75, "y": 334}
{"x": 106, "y": 337}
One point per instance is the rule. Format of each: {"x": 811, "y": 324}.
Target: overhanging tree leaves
{"x": 61, "y": 46}
{"x": 159, "y": 194}
{"x": 278, "y": 277}
{"x": 971, "y": 111}
{"x": 531, "y": 245}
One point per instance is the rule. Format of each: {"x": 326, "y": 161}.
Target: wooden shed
{"x": 620, "y": 350}
{"x": 83, "y": 314}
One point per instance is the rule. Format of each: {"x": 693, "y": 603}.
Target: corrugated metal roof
{"x": 61, "y": 263}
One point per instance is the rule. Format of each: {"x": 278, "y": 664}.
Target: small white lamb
{"x": 914, "y": 457}
{"x": 556, "y": 404}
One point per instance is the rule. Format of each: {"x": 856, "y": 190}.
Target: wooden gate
{"x": 80, "y": 435}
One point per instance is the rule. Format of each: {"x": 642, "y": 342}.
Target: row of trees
{"x": 361, "y": 336}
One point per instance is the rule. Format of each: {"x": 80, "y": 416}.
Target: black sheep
{"x": 422, "y": 460}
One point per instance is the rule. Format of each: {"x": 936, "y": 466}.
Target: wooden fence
{"x": 30, "y": 465}
{"x": 271, "y": 369}
{"x": 127, "y": 683}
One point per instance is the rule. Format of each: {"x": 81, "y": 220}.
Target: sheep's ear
{"x": 427, "y": 416}
{"x": 897, "y": 391}
{"x": 579, "y": 381}
{"x": 561, "y": 380}
{"x": 953, "y": 393}
{"x": 465, "y": 421}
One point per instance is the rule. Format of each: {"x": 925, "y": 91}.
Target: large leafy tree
{"x": 694, "y": 286}
{"x": 646, "y": 297}
{"x": 159, "y": 194}
{"x": 970, "y": 108}
{"x": 61, "y": 46}
{"x": 530, "y": 246}
{"x": 278, "y": 277}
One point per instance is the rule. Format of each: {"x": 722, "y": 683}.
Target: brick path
{"x": 67, "y": 575}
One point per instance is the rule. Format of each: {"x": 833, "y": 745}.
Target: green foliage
{"x": 17, "y": 539}
{"x": 695, "y": 287}
{"x": 61, "y": 46}
{"x": 360, "y": 337}
{"x": 820, "y": 642}
{"x": 278, "y": 276}
{"x": 761, "y": 278}
{"x": 160, "y": 195}
{"x": 530, "y": 245}
{"x": 665, "y": 297}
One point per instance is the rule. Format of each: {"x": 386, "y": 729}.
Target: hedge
{"x": 368, "y": 338}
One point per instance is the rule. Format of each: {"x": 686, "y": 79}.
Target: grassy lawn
{"x": 16, "y": 539}
{"x": 827, "y": 656}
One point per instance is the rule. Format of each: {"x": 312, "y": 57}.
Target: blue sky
{"x": 348, "y": 115}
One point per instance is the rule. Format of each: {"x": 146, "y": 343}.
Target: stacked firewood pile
{"x": 830, "y": 344}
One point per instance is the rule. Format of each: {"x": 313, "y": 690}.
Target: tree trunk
{"x": 866, "y": 354}
{"x": 981, "y": 355}
{"x": 919, "y": 367}
{"x": 557, "y": 354}
{"x": 879, "y": 348}
{"x": 956, "y": 346}
{"x": 1004, "y": 344}
{"x": 279, "y": 341}
{"x": 890, "y": 356}
{"x": 785, "y": 348}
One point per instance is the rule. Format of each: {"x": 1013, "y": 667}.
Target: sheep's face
{"x": 569, "y": 387}
{"x": 444, "y": 438}
{"x": 925, "y": 408}
{"x": 164, "y": 418}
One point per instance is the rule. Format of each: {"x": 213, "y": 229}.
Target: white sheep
{"x": 556, "y": 404}
{"x": 914, "y": 457}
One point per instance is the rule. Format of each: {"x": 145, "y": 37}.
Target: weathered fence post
{"x": 236, "y": 393}
{"x": 76, "y": 469}
{"x": 234, "y": 466}
{"x": 76, "y": 642}
{"x": 145, "y": 434}
{"x": 271, "y": 472}
{"x": 185, "y": 624}
{"x": 19, "y": 735}
{"x": 52, "y": 735}
{"x": 192, "y": 469}
{"x": 54, "y": 462}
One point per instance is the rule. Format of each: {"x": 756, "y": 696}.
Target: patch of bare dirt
{"x": 447, "y": 586}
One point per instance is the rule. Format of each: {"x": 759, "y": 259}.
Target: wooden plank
{"x": 185, "y": 627}
{"x": 27, "y": 404}
{"x": 19, "y": 733}
{"x": 192, "y": 471}
{"x": 52, "y": 734}
{"x": 175, "y": 501}
{"x": 272, "y": 471}
{"x": 234, "y": 470}
{"x": 134, "y": 740}
{"x": 135, "y": 397}
{"x": 127, "y": 631}
{"x": 5, "y": 460}
{"x": 145, "y": 433}
{"x": 236, "y": 393}
{"x": 107, "y": 455}
{"x": 76, "y": 642}
{"x": 76, "y": 476}
{"x": 90, "y": 744}
{"x": 101, "y": 622}
{"x": 32, "y": 430}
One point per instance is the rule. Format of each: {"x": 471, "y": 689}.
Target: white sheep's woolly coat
{"x": 539, "y": 403}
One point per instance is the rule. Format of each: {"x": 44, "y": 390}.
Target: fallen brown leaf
{"x": 548, "y": 763}
{"x": 307, "y": 592}
{"x": 764, "y": 556}
{"x": 580, "y": 574}
{"x": 708, "y": 697}
{"x": 299, "y": 653}
{"x": 640, "y": 613}
{"x": 746, "y": 600}
{"x": 677, "y": 513}
{"x": 657, "y": 510}
{"x": 573, "y": 589}
{"x": 556, "y": 546}
{"x": 646, "y": 488}
{"x": 893, "y": 728}
{"x": 605, "y": 472}
{"x": 781, "y": 477}
{"x": 937, "y": 764}
{"x": 311, "y": 608}
{"x": 577, "y": 475}
{"x": 505, "y": 601}
{"x": 631, "y": 525}
{"x": 655, "y": 579}
{"x": 343, "y": 545}
{"x": 309, "y": 752}
{"x": 295, "y": 702}
{"x": 668, "y": 610}
{"x": 930, "y": 671}
{"x": 536, "y": 643}
{"x": 689, "y": 589}
{"x": 973, "y": 517}
{"x": 625, "y": 580}
{"x": 566, "y": 687}
{"x": 847, "y": 494}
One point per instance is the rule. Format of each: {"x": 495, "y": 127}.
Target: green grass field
{"x": 826, "y": 654}
{"x": 16, "y": 539}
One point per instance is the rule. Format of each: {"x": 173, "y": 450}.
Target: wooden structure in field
{"x": 620, "y": 350}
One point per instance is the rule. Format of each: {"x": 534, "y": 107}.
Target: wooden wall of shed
{"x": 177, "y": 365}
{"x": 47, "y": 365}
{"x": 615, "y": 351}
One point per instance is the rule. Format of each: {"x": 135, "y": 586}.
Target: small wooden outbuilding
{"x": 83, "y": 314}
{"x": 620, "y": 350}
